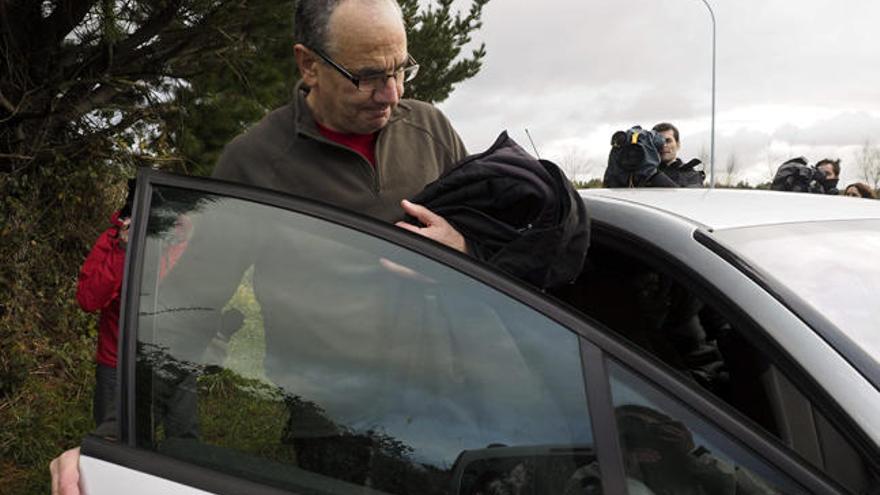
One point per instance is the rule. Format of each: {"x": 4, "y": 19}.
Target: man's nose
{"x": 388, "y": 93}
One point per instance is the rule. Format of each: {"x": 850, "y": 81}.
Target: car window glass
{"x": 671, "y": 450}
{"x": 644, "y": 302}
{"x": 298, "y": 353}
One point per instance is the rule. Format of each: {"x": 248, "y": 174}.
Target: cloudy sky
{"x": 793, "y": 78}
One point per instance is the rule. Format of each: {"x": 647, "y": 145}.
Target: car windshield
{"x": 832, "y": 266}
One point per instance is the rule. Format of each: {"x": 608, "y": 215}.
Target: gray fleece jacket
{"x": 286, "y": 152}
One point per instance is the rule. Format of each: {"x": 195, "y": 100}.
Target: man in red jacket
{"x": 100, "y": 280}
{"x": 98, "y": 289}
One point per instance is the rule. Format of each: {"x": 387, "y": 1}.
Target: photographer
{"x": 98, "y": 286}
{"x": 796, "y": 175}
{"x": 831, "y": 169}
{"x": 649, "y": 158}
{"x": 98, "y": 290}
{"x": 678, "y": 327}
{"x": 683, "y": 174}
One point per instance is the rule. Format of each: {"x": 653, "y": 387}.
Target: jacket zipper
{"x": 377, "y": 177}
{"x": 371, "y": 170}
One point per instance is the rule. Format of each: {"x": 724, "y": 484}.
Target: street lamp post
{"x": 712, "y": 155}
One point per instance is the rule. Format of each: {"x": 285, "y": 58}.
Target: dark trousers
{"x": 104, "y": 402}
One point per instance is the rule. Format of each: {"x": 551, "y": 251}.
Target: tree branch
{"x": 66, "y": 16}
{"x": 7, "y": 105}
{"x": 93, "y": 101}
{"x": 16, "y": 156}
{"x": 152, "y": 27}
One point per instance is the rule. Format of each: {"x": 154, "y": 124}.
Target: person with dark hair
{"x": 673, "y": 323}
{"x": 683, "y": 174}
{"x": 829, "y": 167}
{"x": 796, "y": 175}
{"x": 860, "y": 190}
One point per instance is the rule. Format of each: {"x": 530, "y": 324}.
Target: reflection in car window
{"x": 301, "y": 354}
{"x": 671, "y": 450}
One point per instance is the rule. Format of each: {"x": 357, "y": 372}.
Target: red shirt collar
{"x": 365, "y": 144}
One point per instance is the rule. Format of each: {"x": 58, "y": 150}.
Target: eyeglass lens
{"x": 378, "y": 81}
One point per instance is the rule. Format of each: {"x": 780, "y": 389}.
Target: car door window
{"x": 305, "y": 355}
{"x": 653, "y": 304}
{"x": 669, "y": 449}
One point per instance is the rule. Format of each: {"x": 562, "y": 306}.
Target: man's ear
{"x": 307, "y": 63}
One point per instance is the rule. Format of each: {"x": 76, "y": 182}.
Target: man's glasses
{"x": 368, "y": 83}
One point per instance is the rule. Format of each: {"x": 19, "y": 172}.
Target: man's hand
{"x": 436, "y": 227}
{"x": 65, "y": 473}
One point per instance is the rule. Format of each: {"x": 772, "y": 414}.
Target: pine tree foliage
{"x": 436, "y": 37}
{"x": 91, "y": 78}
{"x": 168, "y": 82}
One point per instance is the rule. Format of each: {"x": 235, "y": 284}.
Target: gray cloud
{"x": 802, "y": 80}
{"x": 844, "y": 129}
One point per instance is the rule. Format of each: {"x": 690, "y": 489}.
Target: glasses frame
{"x": 412, "y": 67}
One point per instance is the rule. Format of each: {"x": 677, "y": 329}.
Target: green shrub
{"x": 51, "y": 214}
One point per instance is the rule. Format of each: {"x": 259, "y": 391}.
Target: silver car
{"x": 716, "y": 342}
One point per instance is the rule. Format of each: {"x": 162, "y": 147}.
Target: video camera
{"x": 634, "y": 159}
{"x": 796, "y": 176}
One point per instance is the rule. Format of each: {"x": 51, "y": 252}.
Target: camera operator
{"x": 634, "y": 160}
{"x": 682, "y": 331}
{"x": 831, "y": 169}
{"x": 683, "y": 174}
{"x": 649, "y": 158}
{"x": 796, "y": 175}
{"x": 97, "y": 291}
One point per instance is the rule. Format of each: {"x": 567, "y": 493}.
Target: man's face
{"x": 670, "y": 146}
{"x": 365, "y": 38}
{"x": 828, "y": 170}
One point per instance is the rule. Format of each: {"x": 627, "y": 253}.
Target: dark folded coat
{"x": 518, "y": 213}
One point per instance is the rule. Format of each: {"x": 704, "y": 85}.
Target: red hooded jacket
{"x": 100, "y": 280}
{"x": 100, "y": 283}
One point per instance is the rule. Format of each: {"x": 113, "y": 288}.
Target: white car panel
{"x": 99, "y": 477}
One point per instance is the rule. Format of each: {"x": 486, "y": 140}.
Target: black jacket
{"x": 684, "y": 174}
{"x": 518, "y": 213}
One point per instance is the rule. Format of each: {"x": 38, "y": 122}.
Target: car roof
{"x": 718, "y": 209}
